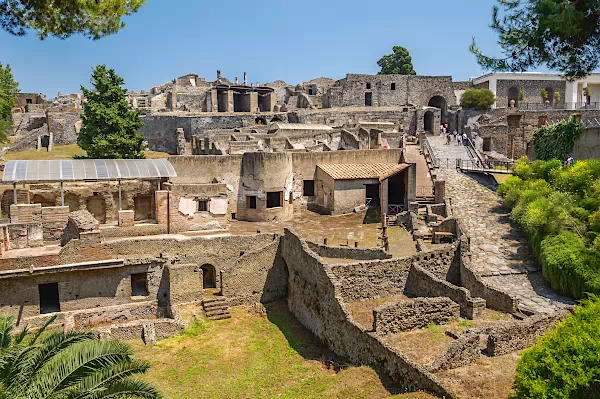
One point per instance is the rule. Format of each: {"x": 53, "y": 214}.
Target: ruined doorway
{"x": 487, "y": 144}
{"x": 222, "y": 100}
{"x": 260, "y": 121}
{"x": 49, "y": 299}
{"x": 372, "y": 195}
{"x": 209, "y": 276}
{"x": 45, "y": 141}
{"x": 97, "y": 207}
{"x": 440, "y": 102}
{"x": 142, "y": 205}
{"x": 428, "y": 121}
{"x": 368, "y": 99}
{"x": 397, "y": 189}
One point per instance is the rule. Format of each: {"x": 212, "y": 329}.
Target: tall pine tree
{"x": 9, "y": 89}
{"x": 109, "y": 123}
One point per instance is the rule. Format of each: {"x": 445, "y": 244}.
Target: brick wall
{"x": 412, "y": 314}
{"x": 54, "y": 220}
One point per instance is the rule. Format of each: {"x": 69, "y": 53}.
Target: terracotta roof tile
{"x": 352, "y": 171}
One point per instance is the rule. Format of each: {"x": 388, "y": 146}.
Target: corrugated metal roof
{"x": 297, "y": 126}
{"x": 352, "y": 171}
{"x": 86, "y": 169}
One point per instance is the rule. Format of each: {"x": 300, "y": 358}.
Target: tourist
{"x": 448, "y": 139}
{"x": 458, "y": 138}
{"x": 465, "y": 140}
{"x": 454, "y": 133}
{"x": 570, "y": 160}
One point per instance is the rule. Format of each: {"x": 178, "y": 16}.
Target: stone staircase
{"x": 216, "y": 308}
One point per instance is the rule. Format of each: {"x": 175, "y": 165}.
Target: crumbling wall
{"x": 413, "y": 314}
{"x": 326, "y": 251}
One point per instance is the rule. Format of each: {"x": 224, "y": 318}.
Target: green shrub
{"x": 557, "y": 140}
{"x": 559, "y": 210}
{"x": 565, "y": 362}
{"x": 477, "y": 99}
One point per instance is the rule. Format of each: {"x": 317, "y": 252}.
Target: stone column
{"x": 214, "y": 103}
{"x": 230, "y": 104}
{"x": 439, "y": 191}
{"x": 253, "y": 101}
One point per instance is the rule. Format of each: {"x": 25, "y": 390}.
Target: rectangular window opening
{"x": 251, "y": 202}
{"x": 368, "y": 86}
{"x": 28, "y": 101}
{"x": 139, "y": 284}
{"x": 203, "y": 206}
{"x": 308, "y": 189}
{"x": 49, "y": 299}
{"x": 393, "y": 86}
{"x": 274, "y": 199}
{"x": 368, "y": 99}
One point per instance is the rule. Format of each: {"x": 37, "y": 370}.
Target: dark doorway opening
{"x": 308, "y": 188}
{"x": 209, "y": 276}
{"x": 49, "y": 299}
{"x": 397, "y": 189}
{"x": 368, "y": 99}
{"x": 513, "y": 94}
{"x": 274, "y": 199}
{"x": 45, "y": 141}
{"x": 139, "y": 284}
{"x": 372, "y": 194}
{"x": 251, "y": 202}
{"x": 260, "y": 121}
{"x": 428, "y": 121}
{"x": 487, "y": 144}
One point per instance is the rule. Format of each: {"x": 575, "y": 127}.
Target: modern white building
{"x": 577, "y": 94}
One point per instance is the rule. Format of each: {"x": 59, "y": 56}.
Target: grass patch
{"x": 63, "y": 152}
{"x": 434, "y": 329}
{"x": 253, "y": 357}
{"x": 466, "y": 323}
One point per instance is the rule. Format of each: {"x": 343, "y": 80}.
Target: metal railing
{"x": 435, "y": 161}
{"x": 559, "y": 106}
{"x": 490, "y": 166}
{"x": 394, "y": 209}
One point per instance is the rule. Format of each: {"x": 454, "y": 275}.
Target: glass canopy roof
{"x": 86, "y": 169}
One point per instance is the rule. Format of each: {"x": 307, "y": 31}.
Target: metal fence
{"x": 487, "y": 166}
{"x": 560, "y": 106}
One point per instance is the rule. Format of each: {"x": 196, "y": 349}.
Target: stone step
{"x": 220, "y": 317}
{"x": 213, "y": 306}
{"x": 209, "y": 300}
{"x": 216, "y": 313}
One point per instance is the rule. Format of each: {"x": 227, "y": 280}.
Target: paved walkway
{"x": 424, "y": 184}
{"x": 447, "y": 154}
{"x": 500, "y": 253}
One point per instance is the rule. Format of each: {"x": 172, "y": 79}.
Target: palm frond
{"x": 43, "y": 328}
{"x": 19, "y": 338}
{"x": 128, "y": 388}
{"x": 6, "y": 328}
{"x": 74, "y": 363}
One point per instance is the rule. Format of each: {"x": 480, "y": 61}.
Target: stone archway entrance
{"x": 441, "y": 103}
{"x": 209, "y": 276}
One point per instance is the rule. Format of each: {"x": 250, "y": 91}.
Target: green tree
{"x": 398, "y": 63}
{"x": 59, "y": 18}
{"x": 544, "y": 94}
{"x": 563, "y": 35}
{"x": 477, "y": 99}
{"x": 54, "y": 364}
{"x": 9, "y": 89}
{"x": 556, "y": 97}
{"x": 109, "y": 123}
{"x": 565, "y": 362}
{"x": 521, "y": 96}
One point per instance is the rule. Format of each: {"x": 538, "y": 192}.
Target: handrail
{"x": 434, "y": 160}
{"x": 489, "y": 166}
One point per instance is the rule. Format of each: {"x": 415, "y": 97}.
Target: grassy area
{"x": 251, "y": 356}
{"x": 63, "y": 152}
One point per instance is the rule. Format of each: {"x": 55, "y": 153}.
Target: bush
{"x": 557, "y": 140}
{"x": 477, "y": 99}
{"x": 559, "y": 210}
{"x": 564, "y": 363}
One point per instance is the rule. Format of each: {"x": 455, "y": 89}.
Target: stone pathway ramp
{"x": 447, "y": 154}
{"x": 500, "y": 253}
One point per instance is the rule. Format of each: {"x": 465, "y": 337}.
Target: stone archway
{"x": 428, "y": 121}
{"x": 441, "y": 103}
{"x": 209, "y": 276}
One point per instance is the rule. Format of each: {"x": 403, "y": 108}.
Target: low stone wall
{"x": 519, "y": 335}
{"x": 348, "y": 252}
{"x": 412, "y": 314}
{"x": 372, "y": 279}
{"x": 113, "y": 314}
{"x": 257, "y": 276}
{"x": 465, "y": 350}
{"x": 148, "y": 330}
{"x": 422, "y": 283}
{"x": 442, "y": 262}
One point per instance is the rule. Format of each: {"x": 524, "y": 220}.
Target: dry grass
{"x": 422, "y": 346}
{"x": 63, "y": 152}
{"x": 253, "y": 357}
{"x": 487, "y": 378}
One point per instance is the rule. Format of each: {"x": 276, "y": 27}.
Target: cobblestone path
{"x": 500, "y": 253}
{"x": 447, "y": 153}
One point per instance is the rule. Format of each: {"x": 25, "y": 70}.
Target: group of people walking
{"x": 460, "y": 139}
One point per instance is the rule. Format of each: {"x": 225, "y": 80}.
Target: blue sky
{"x": 270, "y": 39}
